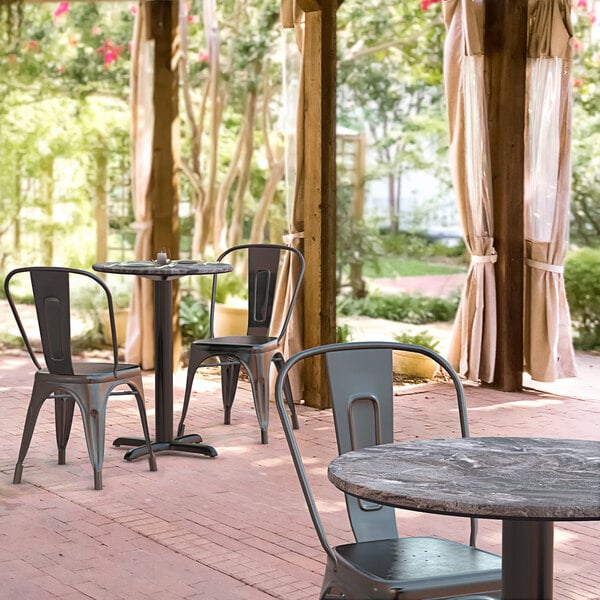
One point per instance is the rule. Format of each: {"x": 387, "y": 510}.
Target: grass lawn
{"x": 408, "y": 267}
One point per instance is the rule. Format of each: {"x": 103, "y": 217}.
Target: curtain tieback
{"x": 486, "y": 258}
{"x": 544, "y": 266}
{"x": 290, "y": 237}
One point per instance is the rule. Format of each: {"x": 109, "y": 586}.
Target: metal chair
{"x": 380, "y": 564}
{"x": 65, "y": 380}
{"x": 259, "y": 346}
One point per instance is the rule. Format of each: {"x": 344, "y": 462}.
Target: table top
{"x": 171, "y": 270}
{"x": 493, "y": 477}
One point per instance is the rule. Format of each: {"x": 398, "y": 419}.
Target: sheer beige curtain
{"x": 547, "y": 329}
{"x": 139, "y": 347}
{"x": 293, "y": 16}
{"x": 472, "y": 348}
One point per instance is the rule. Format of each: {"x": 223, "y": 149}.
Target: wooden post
{"x": 320, "y": 192}
{"x": 164, "y": 192}
{"x": 505, "y": 50}
{"x": 101, "y": 208}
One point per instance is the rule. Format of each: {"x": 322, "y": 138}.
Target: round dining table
{"x": 163, "y": 274}
{"x": 528, "y": 483}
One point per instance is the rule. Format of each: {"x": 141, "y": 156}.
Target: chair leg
{"x": 63, "y": 418}
{"x": 35, "y": 404}
{"x": 287, "y": 390}
{"x": 259, "y": 376}
{"x": 145, "y": 428}
{"x": 94, "y": 427}
{"x": 229, "y": 380}
{"x": 191, "y": 372}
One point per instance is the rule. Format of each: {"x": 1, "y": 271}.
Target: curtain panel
{"x": 548, "y": 350}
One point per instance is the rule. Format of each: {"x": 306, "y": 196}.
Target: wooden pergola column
{"x": 320, "y": 189}
{"x": 162, "y": 19}
{"x": 505, "y": 51}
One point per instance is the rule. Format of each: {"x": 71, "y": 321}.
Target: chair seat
{"x": 93, "y": 372}
{"x": 417, "y": 560}
{"x": 244, "y": 341}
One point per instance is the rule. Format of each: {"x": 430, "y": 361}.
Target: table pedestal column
{"x": 163, "y": 360}
{"x": 527, "y": 560}
{"x": 163, "y": 383}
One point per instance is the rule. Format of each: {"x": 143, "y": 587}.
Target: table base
{"x": 189, "y": 444}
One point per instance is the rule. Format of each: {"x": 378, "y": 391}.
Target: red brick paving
{"x": 234, "y": 527}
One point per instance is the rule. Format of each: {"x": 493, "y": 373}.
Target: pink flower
{"x": 60, "y": 10}
{"x": 426, "y": 4}
{"x": 203, "y": 56}
{"x": 96, "y": 30}
{"x": 578, "y": 82}
{"x": 133, "y": 10}
{"x": 582, "y": 4}
{"x": 33, "y": 46}
{"x": 193, "y": 19}
{"x": 577, "y": 45}
{"x": 110, "y": 52}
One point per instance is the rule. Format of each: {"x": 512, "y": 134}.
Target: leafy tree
{"x": 390, "y": 81}
{"x": 585, "y": 197}
{"x": 63, "y": 122}
{"x": 230, "y": 86}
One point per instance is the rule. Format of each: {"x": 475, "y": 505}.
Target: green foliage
{"x": 416, "y": 245}
{"x": 64, "y": 111}
{"x": 194, "y": 316}
{"x": 421, "y": 338}
{"x": 393, "y": 266}
{"x": 343, "y": 333}
{"x": 582, "y": 284}
{"x": 406, "y": 308}
{"x": 585, "y": 198}
{"x": 390, "y": 84}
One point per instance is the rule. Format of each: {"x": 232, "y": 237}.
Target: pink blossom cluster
{"x": 426, "y": 4}
{"x": 583, "y": 5}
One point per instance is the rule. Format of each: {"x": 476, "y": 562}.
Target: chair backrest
{"x": 360, "y": 378}
{"x": 265, "y": 265}
{"x": 51, "y": 288}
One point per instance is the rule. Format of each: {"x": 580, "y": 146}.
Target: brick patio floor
{"x": 234, "y": 527}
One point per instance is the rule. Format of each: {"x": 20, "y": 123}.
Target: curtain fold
{"x": 139, "y": 346}
{"x": 548, "y": 350}
{"x": 472, "y": 350}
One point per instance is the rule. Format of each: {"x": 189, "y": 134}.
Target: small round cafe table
{"x": 163, "y": 275}
{"x": 528, "y": 483}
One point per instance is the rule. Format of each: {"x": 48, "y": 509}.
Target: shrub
{"x": 407, "y": 308}
{"x": 582, "y": 284}
{"x": 343, "y": 333}
{"x": 421, "y": 338}
{"x": 194, "y": 316}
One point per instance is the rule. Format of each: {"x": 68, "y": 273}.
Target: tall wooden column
{"x": 320, "y": 189}
{"x": 505, "y": 49}
{"x": 164, "y": 179}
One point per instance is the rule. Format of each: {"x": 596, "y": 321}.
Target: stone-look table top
{"x": 171, "y": 270}
{"x": 493, "y": 477}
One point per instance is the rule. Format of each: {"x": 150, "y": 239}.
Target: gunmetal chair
{"x": 379, "y": 564}
{"x": 260, "y": 345}
{"x": 64, "y": 379}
